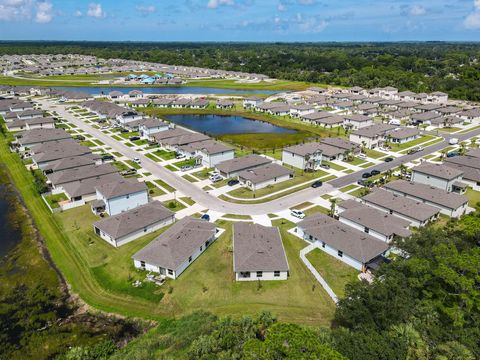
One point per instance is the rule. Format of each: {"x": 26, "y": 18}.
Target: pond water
{"x": 9, "y": 234}
{"x": 220, "y": 125}
{"x": 164, "y": 90}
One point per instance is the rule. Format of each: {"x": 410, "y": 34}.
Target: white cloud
{"x": 39, "y": 10}
{"x": 418, "y": 10}
{"x": 77, "y": 13}
{"x": 44, "y": 12}
{"x": 213, "y": 4}
{"x": 146, "y": 9}
{"x": 95, "y": 10}
{"x": 472, "y": 21}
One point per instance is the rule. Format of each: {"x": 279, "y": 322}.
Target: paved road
{"x": 213, "y": 203}
{"x": 353, "y": 177}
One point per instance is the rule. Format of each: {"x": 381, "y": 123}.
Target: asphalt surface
{"x": 213, "y": 203}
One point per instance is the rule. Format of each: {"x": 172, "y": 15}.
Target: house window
{"x": 245, "y": 274}
{"x": 170, "y": 272}
{"x": 310, "y": 237}
{"x": 323, "y": 245}
{"x": 391, "y": 212}
{"x": 142, "y": 264}
{"x": 128, "y": 196}
{"x": 189, "y": 259}
{"x": 259, "y": 273}
{"x": 145, "y": 230}
{"x": 201, "y": 248}
{"x": 367, "y": 230}
{"x": 276, "y": 273}
{"x": 340, "y": 253}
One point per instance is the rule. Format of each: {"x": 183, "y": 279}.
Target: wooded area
{"x": 421, "y": 67}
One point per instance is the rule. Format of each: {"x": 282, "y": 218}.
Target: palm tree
{"x": 463, "y": 149}
{"x": 333, "y": 204}
{"x": 403, "y": 169}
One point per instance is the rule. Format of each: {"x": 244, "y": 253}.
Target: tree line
{"x": 421, "y": 67}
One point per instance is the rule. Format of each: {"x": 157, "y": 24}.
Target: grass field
{"x": 102, "y": 275}
{"x": 336, "y": 273}
{"x": 473, "y": 197}
{"x": 422, "y": 139}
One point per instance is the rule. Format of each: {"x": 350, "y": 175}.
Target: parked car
{"x": 137, "y": 160}
{"x": 215, "y": 178}
{"x": 131, "y": 171}
{"x": 375, "y": 172}
{"x": 388, "y": 159}
{"x": 317, "y": 184}
{"x": 205, "y": 217}
{"x": 134, "y": 138}
{"x": 298, "y": 214}
{"x": 363, "y": 182}
{"x": 362, "y": 156}
{"x": 366, "y": 175}
{"x": 452, "y": 154}
{"x": 415, "y": 150}
{"x": 325, "y": 166}
{"x": 180, "y": 156}
{"x": 186, "y": 167}
{"x": 107, "y": 157}
{"x": 233, "y": 182}
{"x": 123, "y": 130}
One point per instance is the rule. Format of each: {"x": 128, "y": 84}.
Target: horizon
{"x": 286, "y": 21}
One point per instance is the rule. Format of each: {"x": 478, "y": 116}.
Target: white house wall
{"x": 266, "y": 275}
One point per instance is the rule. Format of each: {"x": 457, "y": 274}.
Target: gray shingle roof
{"x": 121, "y": 187}
{"x": 376, "y": 220}
{"x": 401, "y": 205}
{"x": 242, "y": 163}
{"x": 133, "y": 220}
{"x": 175, "y": 245}
{"x": 438, "y": 170}
{"x": 80, "y": 173}
{"x": 264, "y": 173}
{"x": 428, "y": 193}
{"x": 354, "y": 243}
{"x": 257, "y": 248}
{"x": 36, "y": 136}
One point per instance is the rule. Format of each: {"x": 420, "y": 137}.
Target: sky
{"x": 240, "y": 20}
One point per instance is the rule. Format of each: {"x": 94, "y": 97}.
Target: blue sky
{"x": 240, "y": 20}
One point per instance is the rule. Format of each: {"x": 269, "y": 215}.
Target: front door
{"x": 162, "y": 271}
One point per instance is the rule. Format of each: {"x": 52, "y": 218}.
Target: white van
{"x": 453, "y": 141}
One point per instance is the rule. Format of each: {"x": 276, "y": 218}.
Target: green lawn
{"x": 133, "y": 164}
{"x": 316, "y": 209}
{"x": 188, "y": 201}
{"x": 154, "y": 190}
{"x": 186, "y": 162}
{"x": 88, "y": 143}
{"x": 164, "y": 185}
{"x": 238, "y": 217}
{"x": 165, "y": 155}
{"x": 120, "y": 165}
{"x": 374, "y": 154}
{"x": 140, "y": 142}
{"x": 152, "y": 157}
{"x": 336, "y": 273}
{"x": 53, "y": 200}
{"x": 348, "y": 188}
{"x": 334, "y": 166}
{"x": 357, "y": 161}
{"x": 422, "y": 139}
{"x": 473, "y": 197}
{"x": 171, "y": 168}
{"x": 203, "y": 174}
{"x": 174, "y": 205}
{"x": 127, "y": 135}
{"x": 190, "y": 178}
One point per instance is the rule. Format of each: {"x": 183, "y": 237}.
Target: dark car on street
{"x": 366, "y": 175}
{"x": 317, "y": 184}
{"x": 388, "y": 159}
{"x": 375, "y": 172}
{"x": 233, "y": 182}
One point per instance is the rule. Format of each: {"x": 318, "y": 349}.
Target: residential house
{"x": 372, "y": 221}
{"x": 403, "y": 135}
{"x": 152, "y": 126}
{"x": 264, "y": 176}
{"x": 127, "y": 226}
{"x": 122, "y": 195}
{"x": 357, "y": 121}
{"x": 451, "y": 204}
{"x": 30, "y": 138}
{"x": 371, "y": 136}
{"x": 209, "y": 152}
{"x": 469, "y": 165}
{"x": 347, "y": 244}
{"x": 258, "y": 253}
{"x": 304, "y": 156}
{"x": 414, "y": 211}
{"x": 438, "y": 175}
{"x": 174, "y": 250}
{"x": 231, "y": 168}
